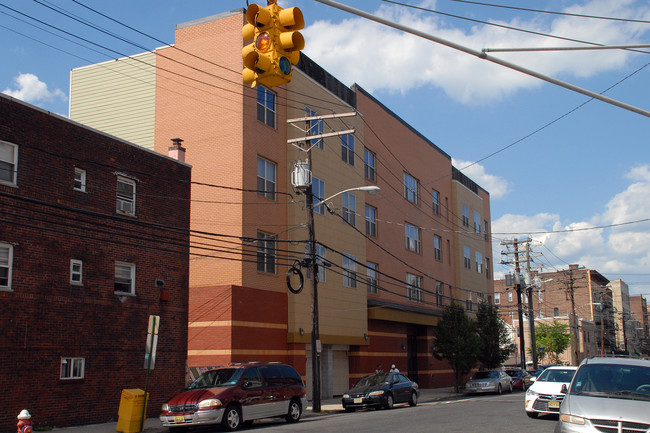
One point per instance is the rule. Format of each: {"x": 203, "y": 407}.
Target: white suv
{"x": 607, "y": 395}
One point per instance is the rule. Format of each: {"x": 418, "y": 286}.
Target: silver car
{"x": 607, "y": 395}
{"x": 495, "y": 381}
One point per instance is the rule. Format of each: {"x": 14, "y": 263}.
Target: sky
{"x": 571, "y": 173}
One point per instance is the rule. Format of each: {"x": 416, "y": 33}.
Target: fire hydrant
{"x": 24, "y": 422}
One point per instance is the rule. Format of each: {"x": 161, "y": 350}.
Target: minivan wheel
{"x": 231, "y": 418}
{"x": 294, "y": 411}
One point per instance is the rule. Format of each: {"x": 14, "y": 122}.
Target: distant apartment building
{"x": 94, "y": 239}
{"x": 389, "y": 262}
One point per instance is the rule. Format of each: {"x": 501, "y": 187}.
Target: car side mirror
{"x": 246, "y": 384}
{"x": 564, "y": 389}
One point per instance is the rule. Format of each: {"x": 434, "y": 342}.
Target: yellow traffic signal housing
{"x": 276, "y": 44}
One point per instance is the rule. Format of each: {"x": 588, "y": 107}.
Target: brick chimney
{"x": 177, "y": 151}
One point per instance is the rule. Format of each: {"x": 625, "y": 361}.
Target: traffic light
{"x": 276, "y": 44}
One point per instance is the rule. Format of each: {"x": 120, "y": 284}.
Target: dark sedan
{"x": 521, "y": 379}
{"x": 381, "y": 390}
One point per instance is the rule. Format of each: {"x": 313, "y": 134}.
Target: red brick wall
{"x": 44, "y": 317}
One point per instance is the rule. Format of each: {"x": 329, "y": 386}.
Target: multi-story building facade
{"x": 389, "y": 261}
{"x": 94, "y": 239}
{"x": 621, "y": 310}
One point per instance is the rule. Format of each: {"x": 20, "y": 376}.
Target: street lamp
{"x": 313, "y": 265}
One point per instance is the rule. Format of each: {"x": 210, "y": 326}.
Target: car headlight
{"x": 531, "y": 393}
{"x": 346, "y": 395}
{"x": 375, "y": 393}
{"x": 572, "y": 419}
{"x": 165, "y": 407}
{"x": 211, "y": 403}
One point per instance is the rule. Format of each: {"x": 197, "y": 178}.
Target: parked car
{"x": 237, "y": 394}
{"x": 607, "y": 394}
{"x": 521, "y": 379}
{"x": 381, "y": 390}
{"x": 540, "y": 369}
{"x": 545, "y": 394}
{"x": 495, "y": 381}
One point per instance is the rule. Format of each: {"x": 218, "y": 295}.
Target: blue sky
{"x": 574, "y": 177}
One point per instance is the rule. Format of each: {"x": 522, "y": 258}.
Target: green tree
{"x": 457, "y": 341}
{"x": 554, "y": 338}
{"x": 495, "y": 344}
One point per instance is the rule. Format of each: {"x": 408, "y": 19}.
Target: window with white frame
{"x": 125, "y": 278}
{"x": 479, "y": 262}
{"x": 497, "y": 298}
{"x": 369, "y": 165}
{"x": 349, "y": 271}
{"x": 411, "y": 189}
{"x": 320, "y": 259}
{"x": 79, "y": 179}
{"x": 125, "y": 195}
{"x": 465, "y": 216}
{"x": 371, "y": 220}
{"x": 348, "y": 208}
{"x": 412, "y": 234}
{"x": 347, "y": 148}
{"x": 467, "y": 258}
{"x": 509, "y": 296}
{"x": 540, "y": 296}
{"x": 477, "y": 222}
{"x": 318, "y": 194}
{"x": 72, "y": 368}
{"x": 8, "y": 163}
{"x": 315, "y": 127}
{"x": 435, "y": 200}
{"x": 372, "y": 282}
{"x": 437, "y": 247}
{"x": 265, "y": 178}
{"x": 6, "y": 260}
{"x": 414, "y": 287}
{"x": 266, "y": 252}
{"x": 76, "y": 272}
{"x": 439, "y": 294}
{"x": 266, "y": 106}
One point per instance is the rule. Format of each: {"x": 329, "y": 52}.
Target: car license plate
{"x": 358, "y": 400}
{"x": 553, "y": 404}
{"x": 179, "y": 418}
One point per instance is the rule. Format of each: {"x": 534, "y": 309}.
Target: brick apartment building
{"x": 394, "y": 259}
{"x": 94, "y": 239}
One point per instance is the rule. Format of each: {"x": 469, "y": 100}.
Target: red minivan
{"x": 237, "y": 394}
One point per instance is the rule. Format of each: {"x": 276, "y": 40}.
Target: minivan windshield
{"x": 223, "y": 377}
{"x": 612, "y": 381}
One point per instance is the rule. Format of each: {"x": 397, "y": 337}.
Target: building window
{"x": 477, "y": 222}
{"x": 266, "y": 252}
{"x": 348, "y": 208}
{"x": 540, "y": 296}
{"x": 6, "y": 260}
{"x": 371, "y": 278}
{"x": 469, "y": 305}
{"x": 439, "y": 295}
{"x": 435, "y": 200}
{"x": 556, "y": 312}
{"x": 318, "y": 194}
{"x": 72, "y": 368}
{"x": 266, "y": 106}
{"x": 8, "y": 163}
{"x": 411, "y": 189}
{"x": 412, "y": 237}
{"x": 497, "y": 298}
{"x": 79, "y": 179}
{"x": 76, "y": 272}
{"x": 349, "y": 271}
{"x": 320, "y": 259}
{"x": 465, "y": 216}
{"x": 437, "y": 247}
{"x": 265, "y": 178}
{"x": 467, "y": 258}
{"x": 125, "y": 278}
{"x": 487, "y": 267}
{"x": 485, "y": 230}
{"x": 371, "y": 221}
{"x": 125, "y": 196}
{"x": 479, "y": 262}
{"x": 510, "y": 297}
{"x": 369, "y": 165}
{"x": 347, "y": 148}
{"x": 414, "y": 287}
{"x": 314, "y": 127}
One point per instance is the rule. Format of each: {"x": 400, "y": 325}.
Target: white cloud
{"x": 31, "y": 89}
{"x": 379, "y": 57}
{"x": 497, "y": 186}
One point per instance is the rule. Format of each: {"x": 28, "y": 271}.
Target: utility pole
{"x": 574, "y": 319}
{"x": 531, "y": 312}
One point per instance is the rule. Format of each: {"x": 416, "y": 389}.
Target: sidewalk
{"x": 328, "y": 407}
